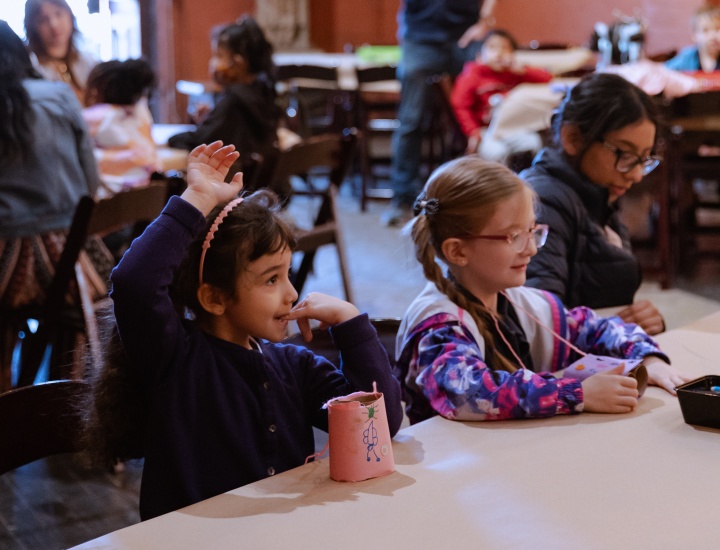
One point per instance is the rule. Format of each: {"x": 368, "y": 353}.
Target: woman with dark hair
{"x": 52, "y": 36}
{"x": 605, "y": 132}
{"x": 245, "y": 114}
{"x": 47, "y": 166}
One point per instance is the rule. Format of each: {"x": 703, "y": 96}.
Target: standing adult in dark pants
{"x": 435, "y": 37}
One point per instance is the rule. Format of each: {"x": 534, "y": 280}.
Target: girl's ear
{"x": 455, "y": 252}
{"x": 211, "y": 299}
{"x": 571, "y": 139}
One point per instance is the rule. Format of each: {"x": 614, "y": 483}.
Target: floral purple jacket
{"x": 441, "y": 358}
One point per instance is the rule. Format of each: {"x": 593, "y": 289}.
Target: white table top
{"x": 642, "y": 480}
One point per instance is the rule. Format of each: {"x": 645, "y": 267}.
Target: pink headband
{"x": 213, "y": 228}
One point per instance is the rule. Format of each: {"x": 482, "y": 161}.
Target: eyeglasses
{"x": 626, "y": 161}
{"x": 520, "y": 239}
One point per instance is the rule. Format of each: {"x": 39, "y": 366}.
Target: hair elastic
{"x": 426, "y": 206}
{"x": 211, "y": 232}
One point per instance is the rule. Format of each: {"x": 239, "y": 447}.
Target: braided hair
{"x": 458, "y": 199}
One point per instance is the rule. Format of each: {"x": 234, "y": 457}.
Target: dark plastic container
{"x": 700, "y": 405}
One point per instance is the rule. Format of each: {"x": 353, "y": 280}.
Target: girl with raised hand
{"x": 475, "y": 344}
{"x": 225, "y": 403}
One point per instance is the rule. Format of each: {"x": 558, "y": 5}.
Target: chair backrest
{"x": 332, "y": 152}
{"x": 378, "y": 73}
{"x": 306, "y": 72}
{"x": 315, "y": 103}
{"x": 454, "y": 140}
{"x": 91, "y": 218}
{"x": 40, "y": 421}
{"x": 322, "y": 344}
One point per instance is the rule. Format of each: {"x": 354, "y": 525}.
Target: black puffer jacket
{"x": 578, "y": 263}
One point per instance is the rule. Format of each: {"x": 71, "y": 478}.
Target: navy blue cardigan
{"x": 220, "y": 415}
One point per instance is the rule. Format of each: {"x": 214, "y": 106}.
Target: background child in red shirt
{"x": 480, "y": 88}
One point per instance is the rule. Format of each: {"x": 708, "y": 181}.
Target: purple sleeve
{"x": 460, "y": 386}
{"x": 610, "y": 336}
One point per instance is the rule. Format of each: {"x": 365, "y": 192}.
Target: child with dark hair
{"x": 704, "y": 55}
{"x": 605, "y": 133}
{"x": 476, "y": 344}
{"x": 245, "y": 113}
{"x": 120, "y": 124}
{"x": 225, "y": 403}
{"x": 480, "y": 88}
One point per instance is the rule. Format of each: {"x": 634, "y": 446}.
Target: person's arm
{"x": 535, "y": 75}
{"x": 363, "y": 357}
{"x": 151, "y": 331}
{"x": 484, "y": 24}
{"x": 222, "y": 123}
{"x": 612, "y": 337}
{"x": 460, "y": 386}
{"x": 463, "y": 100}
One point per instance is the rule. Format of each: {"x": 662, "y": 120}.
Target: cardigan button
{"x": 272, "y": 428}
{"x": 271, "y": 471}
{"x": 266, "y": 385}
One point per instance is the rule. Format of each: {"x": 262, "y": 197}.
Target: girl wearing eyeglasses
{"x": 478, "y": 345}
{"x": 605, "y": 134}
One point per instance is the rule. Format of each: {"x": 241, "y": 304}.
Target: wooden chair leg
{"x": 8, "y": 339}
{"x": 340, "y": 247}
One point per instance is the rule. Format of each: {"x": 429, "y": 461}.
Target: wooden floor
{"x": 57, "y": 503}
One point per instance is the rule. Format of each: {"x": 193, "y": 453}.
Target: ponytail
{"x": 458, "y": 197}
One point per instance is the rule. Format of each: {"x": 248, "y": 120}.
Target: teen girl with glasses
{"x": 605, "y": 133}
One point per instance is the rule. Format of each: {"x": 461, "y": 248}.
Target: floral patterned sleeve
{"x": 460, "y": 386}
{"x": 610, "y": 336}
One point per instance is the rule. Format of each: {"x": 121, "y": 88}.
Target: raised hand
{"x": 321, "y": 307}
{"x": 207, "y": 167}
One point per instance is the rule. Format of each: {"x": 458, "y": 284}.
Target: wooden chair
{"x": 693, "y": 153}
{"x": 376, "y": 112}
{"x": 453, "y": 142}
{"x": 40, "y": 421}
{"x": 56, "y": 318}
{"x": 313, "y": 101}
{"x": 334, "y": 153}
{"x": 322, "y": 344}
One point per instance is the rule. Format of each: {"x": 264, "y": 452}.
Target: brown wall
{"x": 335, "y": 23}
{"x": 338, "y": 22}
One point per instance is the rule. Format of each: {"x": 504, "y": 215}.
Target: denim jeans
{"x": 419, "y": 62}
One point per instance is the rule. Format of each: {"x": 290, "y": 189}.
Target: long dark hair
{"x": 116, "y": 412}
{"x": 32, "y": 22}
{"x": 16, "y": 115}
{"x": 601, "y": 103}
{"x": 246, "y": 38}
